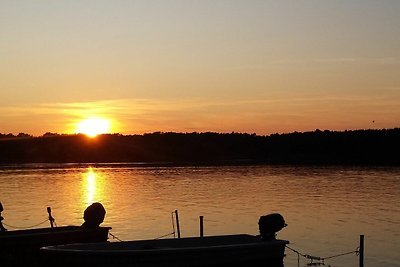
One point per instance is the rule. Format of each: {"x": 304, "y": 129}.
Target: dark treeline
{"x": 369, "y": 147}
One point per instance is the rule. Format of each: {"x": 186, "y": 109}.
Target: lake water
{"x": 326, "y": 208}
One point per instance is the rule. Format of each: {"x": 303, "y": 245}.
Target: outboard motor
{"x": 94, "y": 215}
{"x": 270, "y": 224}
{"x": 2, "y": 229}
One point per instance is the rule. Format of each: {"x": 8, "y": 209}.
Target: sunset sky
{"x": 264, "y": 66}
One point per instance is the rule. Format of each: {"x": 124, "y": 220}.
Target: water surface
{"x": 326, "y": 208}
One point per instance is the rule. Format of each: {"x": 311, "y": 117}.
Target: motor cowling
{"x": 270, "y": 224}
{"x": 2, "y": 229}
{"x": 94, "y": 215}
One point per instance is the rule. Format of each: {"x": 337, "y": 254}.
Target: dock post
{"x": 178, "y": 229}
{"x": 51, "y": 219}
{"x": 361, "y": 251}
{"x": 201, "y": 226}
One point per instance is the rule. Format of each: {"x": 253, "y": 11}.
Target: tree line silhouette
{"x": 364, "y": 147}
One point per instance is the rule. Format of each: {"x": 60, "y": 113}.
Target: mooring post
{"x": 51, "y": 219}
{"x": 201, "y": 226}
{"x": 361, "y": 250}
{"x": 178, "y": 229}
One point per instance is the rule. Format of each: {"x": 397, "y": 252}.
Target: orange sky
{"x": 244, "y": 66}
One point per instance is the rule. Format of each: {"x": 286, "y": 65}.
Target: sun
{"x": 93, "y": 126}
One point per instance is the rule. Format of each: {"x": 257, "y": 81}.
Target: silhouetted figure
{"x": 94, "y": 215}
{"x": 2, "y": 229}
{"x": 270, "y": 224}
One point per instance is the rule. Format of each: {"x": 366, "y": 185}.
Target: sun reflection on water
{"x": 93, "y": 187}
{"x": 90, "y": 185}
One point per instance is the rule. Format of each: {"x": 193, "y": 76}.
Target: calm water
{"x": 326, "y": 208}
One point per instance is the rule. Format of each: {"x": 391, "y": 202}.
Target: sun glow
{"x": 93, "y": 126}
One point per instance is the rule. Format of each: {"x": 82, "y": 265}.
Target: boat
{"x": 21, "y": 247}
{"x": 223, "y": 250}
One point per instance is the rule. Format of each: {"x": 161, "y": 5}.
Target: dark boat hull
{"x": 19, "y": 248}
{"x": 233, "y": 250}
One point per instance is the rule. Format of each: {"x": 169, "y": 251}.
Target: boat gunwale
{"x": 49, "y": 230}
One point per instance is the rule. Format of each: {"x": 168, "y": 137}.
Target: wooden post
{"x": 361, "y": 251}
{"x": 201, "y": 226}
{"x": 51, "y": 219}
{"x": 178, "y": 229}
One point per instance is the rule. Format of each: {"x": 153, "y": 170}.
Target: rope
{"x": 173, "y": 228}
{"x": 114, "y": 237}
{"x": 173, "y": 233}
{"x": 322, "y": 259}
{"x": 343, "y": 254}
{"x": 26, "y": 227}
{"x": 295, "y": 251}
